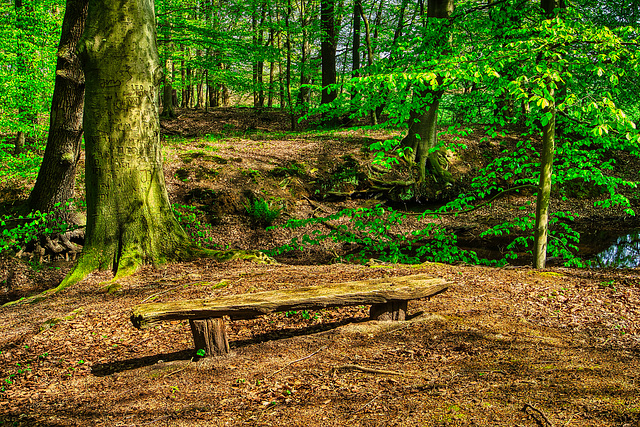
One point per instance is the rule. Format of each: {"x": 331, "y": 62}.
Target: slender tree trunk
{"x": 540, "y": 235}
{"x": 183, "y": 101}
{"x": 22, "y": 69}
{"x": 283, "y": 102}
{"x": 207, "y": 91}
{"x": 544, "y": 187}
{"x": 289, "y": 100}
{"x": 355, "y": 57}
{"x": 305, "y": 78}
{"x": 260, "y": 68}
{"x": 56, "y": 178}
{"x": 129, "y": 217}
{"x": 367, "y": 38}
{"x": 254, "y": 40}
{"x": 328, "y": 53}
{"x": 168, "y": 110}
{"x": 271, "y": 83}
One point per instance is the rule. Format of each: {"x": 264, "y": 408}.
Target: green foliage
{"x": 305, "y": 314}
{"x": 20, "y": 231}
{"x": 562, "y": 242}
{"x": 23, "y": 167}
{"x": 294, "y": 169}
{"x": 376, "y": 233}
{"x": 188, "y": 217}
{"x": 28, "y": 43}
{"x": 262, "y": 211}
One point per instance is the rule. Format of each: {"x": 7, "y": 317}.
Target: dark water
{"x": 625, "y": 252}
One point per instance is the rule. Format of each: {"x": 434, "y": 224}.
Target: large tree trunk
{"x": 56, "y": 178}
{"x": 422, "y": 135}
{"x": 129, "y": 217}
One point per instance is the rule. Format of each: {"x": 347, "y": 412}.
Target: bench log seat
{"x": 387, "y": 296}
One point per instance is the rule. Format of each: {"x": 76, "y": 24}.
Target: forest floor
{"x": 507, "y": 346}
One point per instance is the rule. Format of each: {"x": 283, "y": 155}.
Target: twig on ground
{"x": 154, "y": 421}
{"x": 366, "y": 404}
{"x": 297, "y": 360}
{"x": 541, "y": 423}
{"x": 373, "y": 371}
{"x": 179, "y": 370}
{"x": 159, "y": 293}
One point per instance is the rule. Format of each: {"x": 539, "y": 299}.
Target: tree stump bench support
{"x": 387, "y": 296}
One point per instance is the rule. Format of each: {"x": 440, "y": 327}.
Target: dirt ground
{"x": 506, "y": 346}
{"x": 509, "y": 347}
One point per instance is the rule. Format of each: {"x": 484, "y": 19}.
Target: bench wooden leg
{"x": 391, "y": 311}
{"x": 210, "y": 335}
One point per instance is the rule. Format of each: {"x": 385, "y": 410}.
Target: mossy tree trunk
{"x": 57, "y": 176}
{"x": 423, "y": 122}
{"x": 129, "y": 217}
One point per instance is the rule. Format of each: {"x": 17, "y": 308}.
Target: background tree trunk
{"x": 422, "y": 135}
{"x": 57, "y": 176}
{"x": 168, "y": 109}
{"x": 305, "y": 77}
{"x": 129, "y": 217}
{"x": 328, "y": 53}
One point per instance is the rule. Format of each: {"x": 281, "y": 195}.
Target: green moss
{"x": 111, "y": 288}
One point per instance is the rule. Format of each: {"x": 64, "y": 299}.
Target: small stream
{"x": 624, "y": 253}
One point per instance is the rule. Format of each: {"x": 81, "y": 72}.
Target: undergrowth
{"x": 376, "y": 232}
{"x": 18, "y": 231}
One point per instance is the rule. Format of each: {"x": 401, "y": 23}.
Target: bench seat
{"x": 387, "y": 296}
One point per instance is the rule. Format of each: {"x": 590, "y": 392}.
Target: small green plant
{"x": 262, "y": 211}
{"x": 187, "y": 216}
{"x": 292, "y": 169}
{"x": 201, "y": 352}
{"x": 252, "y": 173}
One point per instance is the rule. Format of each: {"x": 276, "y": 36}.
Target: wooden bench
{"x": 387, "y": 296}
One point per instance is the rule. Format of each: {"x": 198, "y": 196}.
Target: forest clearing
{"x": 502, "y": 346}
{"x": 277, "y": 213}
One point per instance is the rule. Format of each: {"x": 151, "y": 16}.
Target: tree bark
{"x": 540, "y": 235}
{"x": 287, "y": 17}
{"x": 129, "y": 217}
{"x": 544, "y": 187}
{"x": 305, "y": 77}
{"x": 355, "y": 57}
{"x": 328, "y": 53}
{"x": 168, "y": 109}
{"x": 56, "y": 178}
{"x": 422, "y": 135}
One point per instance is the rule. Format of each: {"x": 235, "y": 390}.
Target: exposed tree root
{"x": 129, "y": 263}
